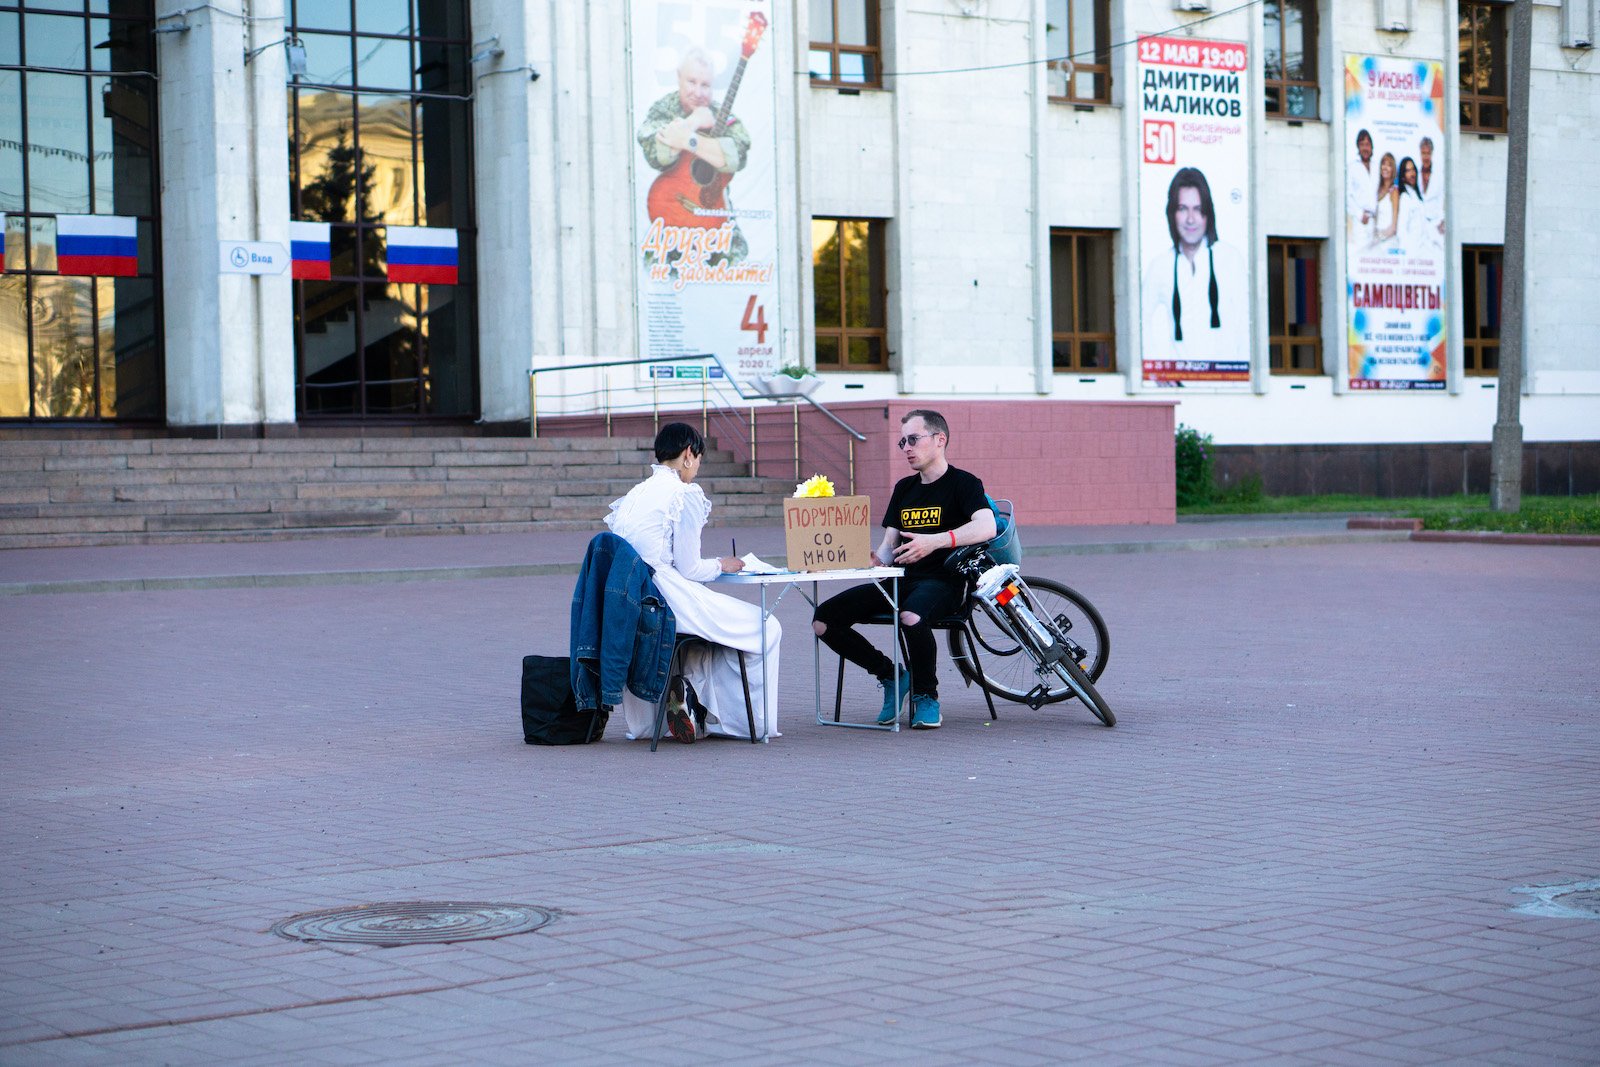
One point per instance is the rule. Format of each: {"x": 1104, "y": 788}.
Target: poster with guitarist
{"x": 706, "y": 192}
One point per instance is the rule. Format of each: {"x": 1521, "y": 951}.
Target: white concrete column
{"x": 1455, "y": 337}
{"x": 1039, "y": 224}
{"x": 508, "y": 164}
{"x": 225, "y": 174}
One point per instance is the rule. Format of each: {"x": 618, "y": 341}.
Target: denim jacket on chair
{"x": 622, "y": 629}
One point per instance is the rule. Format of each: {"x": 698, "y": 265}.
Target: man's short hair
{"x": 696, "y": 55}
{"x": 1426, "y": 142}
{"x": 1191, "y": 178}
{"x": 1361, "y": 134}
{"x": 931, "y": 419}
{"x": 674, "y": 438}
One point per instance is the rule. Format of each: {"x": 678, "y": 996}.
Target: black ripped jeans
{"x": 928, "y": 598}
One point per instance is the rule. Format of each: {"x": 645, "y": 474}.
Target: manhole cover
{"x": 425, "y": 922}
{"x": 1572, "y": 900}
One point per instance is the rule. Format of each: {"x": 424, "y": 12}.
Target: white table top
{"x": 854, "y": 574}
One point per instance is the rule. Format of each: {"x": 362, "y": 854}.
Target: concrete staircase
{"x": 107, "y": 491}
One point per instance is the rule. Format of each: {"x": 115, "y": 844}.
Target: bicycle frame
{"x": 1007, "y": 600}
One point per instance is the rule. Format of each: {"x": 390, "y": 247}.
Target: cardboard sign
{"x": 828, "y": 533}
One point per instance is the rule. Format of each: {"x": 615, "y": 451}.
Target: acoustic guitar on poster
{"x": 690, "y": 185}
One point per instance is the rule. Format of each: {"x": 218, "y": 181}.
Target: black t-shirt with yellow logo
{"x": 937, "y": 507}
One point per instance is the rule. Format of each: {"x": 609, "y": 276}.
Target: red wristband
{"x": 952, "y": 539}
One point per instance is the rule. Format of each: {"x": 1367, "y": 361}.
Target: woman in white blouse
{"x": 1388, "y": 220}
{"x": 662, "y": 518}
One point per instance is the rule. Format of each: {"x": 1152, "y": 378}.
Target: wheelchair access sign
{"x": 253, "y": 257}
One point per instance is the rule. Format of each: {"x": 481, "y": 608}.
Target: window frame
{"x": 101, "y": 407}
{"x": 367, "y": 272}
{"x": 835, "y": 48}
{"x": 1310, "y": 27}
{"x": 1102, "y": 64}
{"x": 1472, "y": 104}
{"x": 1280, "y": 346}
{"x": 1474, "y": 347}
{"x": 1076, "y": 339}
{"x": 844, "y": 333}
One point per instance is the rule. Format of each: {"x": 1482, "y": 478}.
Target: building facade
{"x": 943, "y": 200}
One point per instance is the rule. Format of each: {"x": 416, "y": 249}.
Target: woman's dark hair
{"x": 674, "y": 438}
{"x": 1400, "y": 176}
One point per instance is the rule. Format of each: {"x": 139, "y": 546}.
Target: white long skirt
{"x": 732, "y": 626}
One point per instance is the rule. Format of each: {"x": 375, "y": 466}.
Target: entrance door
{"x": 380, "y": 151}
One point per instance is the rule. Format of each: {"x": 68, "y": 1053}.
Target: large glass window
{"x": 1078, "y": 37}
{"x": 1294, "y": 303}
{"x": 1482, "y": 41}
{"x": 1290, "y": 50}
{"x": 1482, "y": 267}
{"x": 851, "y": 296}
{"x": 1083, "y": 331}
{"x": 845, "y": 48}
{"x": 80, "y": 335}
{"x": 379, "y": 137}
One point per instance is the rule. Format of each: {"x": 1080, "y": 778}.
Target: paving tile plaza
{"x": 1339, "y": 770}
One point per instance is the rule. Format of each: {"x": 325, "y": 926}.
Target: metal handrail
{"x": 711, "y": 399}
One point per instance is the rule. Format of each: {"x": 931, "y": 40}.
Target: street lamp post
{"x": 1505, "y": 451}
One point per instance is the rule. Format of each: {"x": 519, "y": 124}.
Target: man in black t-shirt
{"x": 930, "y": 513}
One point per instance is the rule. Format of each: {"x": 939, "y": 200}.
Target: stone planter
{"x": 781, "y": 386}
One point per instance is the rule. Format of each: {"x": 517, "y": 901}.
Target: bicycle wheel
{"x": 1005, "y": 669}
{"x": 1074, "y": 676}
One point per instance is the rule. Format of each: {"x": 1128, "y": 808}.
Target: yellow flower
{"x": 816, "y": 485}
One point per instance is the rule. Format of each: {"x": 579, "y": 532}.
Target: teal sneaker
{"x": 893, "y": 697}
{"x": 925, "y": 712}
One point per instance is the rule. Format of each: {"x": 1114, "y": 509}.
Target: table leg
{"x": 816, "y": 654}
{"x": 765, "y": 730}
{"x": 894, "y": 584}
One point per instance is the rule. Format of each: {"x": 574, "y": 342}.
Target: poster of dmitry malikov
{"x": 705, "y": 183}
{"x": 1194, "y": 212}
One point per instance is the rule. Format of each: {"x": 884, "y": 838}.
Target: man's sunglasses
{"x": 912, "y": 438}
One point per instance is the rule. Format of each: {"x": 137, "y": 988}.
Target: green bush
{"x": 1195, "y": 466}
{"x": 1247, "y": 490}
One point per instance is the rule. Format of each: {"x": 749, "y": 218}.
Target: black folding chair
{"x": 1004, "y": 547}
{"x": 960, "y": 619}
{"x": 675, "y": 670}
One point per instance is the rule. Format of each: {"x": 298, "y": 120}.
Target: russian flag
{"x": 308, "y": 250}
{"x": 423, "y": 254}
{"x": 103, "y": 245}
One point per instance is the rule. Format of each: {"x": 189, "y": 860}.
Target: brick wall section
{"x": 1078, "y": 463}
{"x": 1061, "y": 462}
{"x": 1549, "y": 468}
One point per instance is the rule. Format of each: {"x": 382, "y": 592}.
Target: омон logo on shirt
{"x": 920, "y": 518}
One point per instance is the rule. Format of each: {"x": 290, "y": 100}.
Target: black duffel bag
{"x": 549, "y": 714}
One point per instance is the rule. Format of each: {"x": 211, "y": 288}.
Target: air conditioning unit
{"x": 1394, "y": 16}
{"x": 1578, "y": 19}
{"x": 1191, "y": 5}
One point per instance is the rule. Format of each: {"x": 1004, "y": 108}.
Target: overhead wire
{"x": 1074, "y": 57}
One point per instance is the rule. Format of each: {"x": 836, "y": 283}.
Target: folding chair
{"x": 960, "y": 619}
{"x": 675, "y": 670}
{"x": 1004, "y": 547}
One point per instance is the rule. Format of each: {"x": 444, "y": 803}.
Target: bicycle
{"x": 1048, "y": 642}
